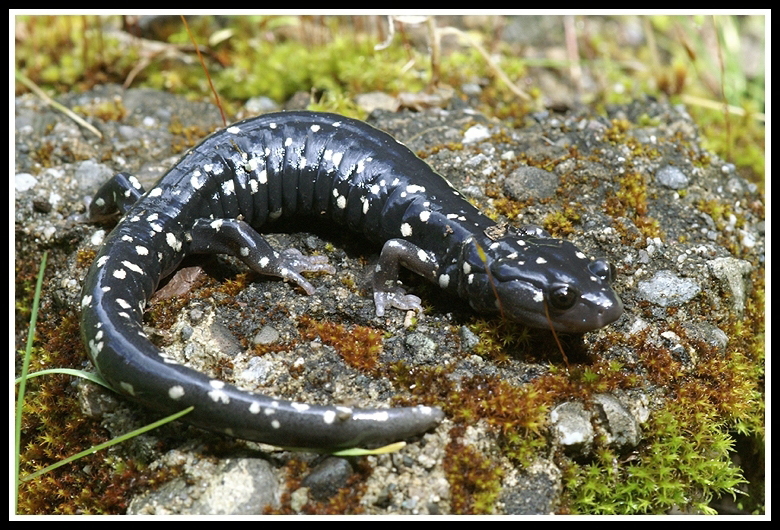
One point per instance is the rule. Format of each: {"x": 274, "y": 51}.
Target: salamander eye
{"x": 563, "y": 297}
{"x": 603, "y": 269}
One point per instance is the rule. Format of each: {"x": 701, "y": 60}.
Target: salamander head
{"x": 528, "y": 270}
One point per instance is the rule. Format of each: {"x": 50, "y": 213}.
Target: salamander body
{"x": 323, "y": 167}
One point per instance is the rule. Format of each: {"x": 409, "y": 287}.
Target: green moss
{"x": 499, "y": 337}
{"x": 680, "y": 465}
{"x": 561, "y": 223}
{"x": 630, "y": 200}
{"x": 684, "y": 460}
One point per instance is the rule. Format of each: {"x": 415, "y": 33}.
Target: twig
{"x": 59, "y": 106}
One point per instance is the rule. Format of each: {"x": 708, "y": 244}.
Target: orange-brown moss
{"x": 475, "y": 481}
{"x": 359, "y": 347}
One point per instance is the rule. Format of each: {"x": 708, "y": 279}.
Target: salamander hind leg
{"x": 239, "y": 239}
{"x": 119, "y": 194}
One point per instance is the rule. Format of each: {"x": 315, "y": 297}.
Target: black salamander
{"x": 322, "y": 166}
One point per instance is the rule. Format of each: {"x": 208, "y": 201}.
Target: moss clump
{"x": 683, "y": 462}
{"x": 499, "y": 338}
{"x": 359, "y": 347}
{"x": 475, "y": 481}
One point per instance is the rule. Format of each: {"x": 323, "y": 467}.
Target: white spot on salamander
{"x": 300, "y": 407}
{"x": 251, "y": 165}
{"x": 173, "y": 241}
{"x": 217, "y": 394}
{"x": 329, "y": 416}
{"x": 371, "y": 416}
{"x": 176, "y": 392}
{"x": 134, "y": 183}
{"x": 195, "y": 181}
{"x": 133, "y": 267}
{"x": 95, "y": 348}
{"x": 123, "y": 303}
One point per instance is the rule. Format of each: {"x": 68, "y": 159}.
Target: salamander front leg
{"x": 387, "y": 292}
{"x": 239, "y": 239}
